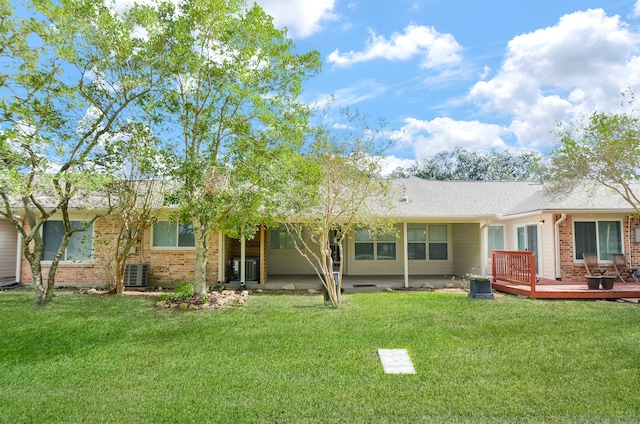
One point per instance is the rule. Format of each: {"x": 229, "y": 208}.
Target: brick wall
{"x": 166, "y": 266}
{"x": 573, "y": 271}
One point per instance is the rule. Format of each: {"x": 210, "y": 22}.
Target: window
{"x": 601, "y": 237}
{"x": 427, "y": 241}
{"x": 172, "y": 234}
{"x": 279, "y": 238}
{"x": 438, "y": 246}
{"x": 382, "y": 247}
{"x": 416, "y": 241}
{"x": 495, "y": 238}
{"x": 80, "y": 243}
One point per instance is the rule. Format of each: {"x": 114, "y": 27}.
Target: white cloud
{"x": 303, "y": 18}
{"x": 435, "y": 49}
{"x": 350, "y": 96}
{"x": 558, "y": 73}
{"x": 636, "y": 10}
{"x": 391, "y": 163}
{"x": 444, "y": 134}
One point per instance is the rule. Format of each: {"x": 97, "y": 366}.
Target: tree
{"x": 137, "y": 194}
{"x": 463, "y": 165}
{"x": 604, "y": 149}
{"x": 231, "y": 82}
{"x": 345, "y": 193}
{"x": 70, "y": 73}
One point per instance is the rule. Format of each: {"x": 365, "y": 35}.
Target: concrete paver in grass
{"x": 396, "y": 361}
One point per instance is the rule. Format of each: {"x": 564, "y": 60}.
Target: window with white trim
{"x": 438, "y": 243}
{"x": 382, "y": 247}
{"x": 80, "y": 247}
{"x": 495, "y": 238}
{"x": 601, "y": 237}
{"x": 173, "y": 234}
{"x": 280, "y": 238}
{"x": 416, "y": 241}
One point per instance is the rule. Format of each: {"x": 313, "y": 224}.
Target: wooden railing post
{"x": 514, "y": 266}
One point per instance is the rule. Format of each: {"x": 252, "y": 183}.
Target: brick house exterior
{"x": 469, "y": 217}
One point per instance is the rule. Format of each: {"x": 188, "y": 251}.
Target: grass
{"x": 290, "y": 359}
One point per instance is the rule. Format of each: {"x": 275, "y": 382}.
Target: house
{"x": 443, "y": 228}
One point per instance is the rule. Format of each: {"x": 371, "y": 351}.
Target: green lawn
{"x": 88, "y": 358}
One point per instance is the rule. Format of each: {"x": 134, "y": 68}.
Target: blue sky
{"x": 482, "y": 75}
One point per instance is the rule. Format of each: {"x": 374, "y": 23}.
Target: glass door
{"x": 528, "y": 241}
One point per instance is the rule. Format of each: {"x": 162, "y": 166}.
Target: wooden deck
{"x": 514, "y": 272}
{"x": 551, "y": 289}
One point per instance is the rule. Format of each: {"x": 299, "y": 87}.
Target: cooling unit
{"x": 136, "y": 275}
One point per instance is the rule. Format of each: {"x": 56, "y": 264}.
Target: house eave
{"x": 567, "y": 211}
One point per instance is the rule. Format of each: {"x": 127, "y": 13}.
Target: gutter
{"x": 563, "y": 218}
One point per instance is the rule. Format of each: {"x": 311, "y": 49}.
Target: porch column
{"x": 405, "y": 243}
{"x": 484, "y": 247}
{"x": 220, "y": 257}
{"x": 263, "y": 255}
{"x": 242, "y": 259}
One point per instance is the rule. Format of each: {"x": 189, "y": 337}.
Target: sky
{"x": 490, "y": 75}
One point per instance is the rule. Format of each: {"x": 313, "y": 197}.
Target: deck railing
{"x": 514, "y": 266}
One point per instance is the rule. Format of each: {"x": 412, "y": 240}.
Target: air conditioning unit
{"x": 251, "y": 267}
{"x": 136, "y": 275}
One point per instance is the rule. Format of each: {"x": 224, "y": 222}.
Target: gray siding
{"x": 467, "y": 249}
{"x": 8, "y": 251}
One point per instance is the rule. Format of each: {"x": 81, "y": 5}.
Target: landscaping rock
{"x": 289, "y": 286}
{"x": 312, "y": 291}
{"x": 215, "y": 300}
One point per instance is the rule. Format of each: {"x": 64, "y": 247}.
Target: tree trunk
{"x": 120, "y": 265}
{"x": 202, "y": 233}
{"x": 332, "y": 288}
{"x": 36, "y": 272}
{"x": 38, "y": 284}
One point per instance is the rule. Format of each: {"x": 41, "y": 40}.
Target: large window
{"x": 427, "y": 241}
{"x": 280, "y": 238}
{"x": 172, "y": 234}
{"x": 601, "y": 237}
{"x": 438, "y": 245}
{"x": 495, "y": 238}
{"x": 417, "y": 241}
{"x": 382, "y": 247}
{"x": 80, "y": 243}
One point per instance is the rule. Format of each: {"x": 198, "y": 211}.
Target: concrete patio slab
{"x": 396, "y": 361}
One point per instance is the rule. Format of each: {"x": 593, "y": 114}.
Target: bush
{"x": 182, "y": 291}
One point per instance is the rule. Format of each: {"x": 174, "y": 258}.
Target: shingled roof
{"x": 418, "y": 198}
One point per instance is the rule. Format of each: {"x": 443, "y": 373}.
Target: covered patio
{"x": 353, "y": 284}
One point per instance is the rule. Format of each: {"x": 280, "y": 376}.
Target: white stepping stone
{"x": 396, "y": 361}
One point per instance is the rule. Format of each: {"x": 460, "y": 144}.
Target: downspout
{"x": 405, "y": 241}
{"x": 563, "y": 218}
{"x": 629, "y": 232}
{"x": 243, "y": 246}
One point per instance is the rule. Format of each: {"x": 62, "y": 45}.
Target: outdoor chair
{"x": 625, "y": 273}
{"x": 591, "y": 264}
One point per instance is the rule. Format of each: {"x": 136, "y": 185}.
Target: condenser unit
{"x": 136, "y": 275}
{"x": 251, "y": 267}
